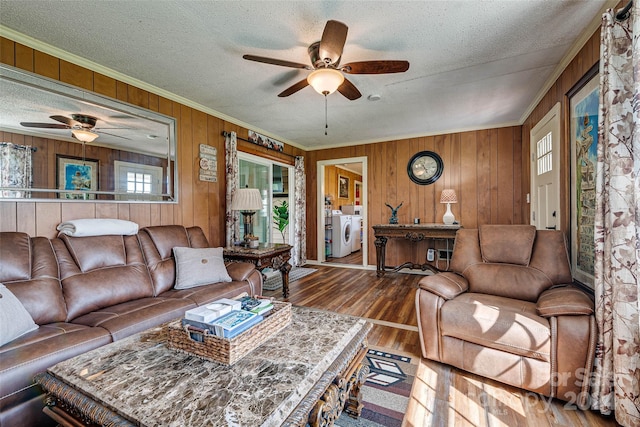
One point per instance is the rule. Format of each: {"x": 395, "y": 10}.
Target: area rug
{"x": 274, "y": 278}
{"x": 386, "y": 393}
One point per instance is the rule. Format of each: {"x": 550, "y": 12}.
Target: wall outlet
{"x": 444, "y": 254}
{"x": 431, "y": 255}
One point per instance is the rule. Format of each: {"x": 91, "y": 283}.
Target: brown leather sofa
{"x": 85, "y": 292}
{"x": 506, "y": 310}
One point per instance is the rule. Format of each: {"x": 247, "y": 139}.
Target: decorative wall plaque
{"x": 208, "y": 163}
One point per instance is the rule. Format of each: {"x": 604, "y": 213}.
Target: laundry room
{"x": 343, "y": 213}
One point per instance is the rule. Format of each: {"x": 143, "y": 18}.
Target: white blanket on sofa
{"x": 97, "y": 227}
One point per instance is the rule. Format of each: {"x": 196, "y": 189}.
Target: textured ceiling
{"x": 474, "y": 64}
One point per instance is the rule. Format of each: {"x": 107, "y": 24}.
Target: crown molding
{"x": 586, "y": 34}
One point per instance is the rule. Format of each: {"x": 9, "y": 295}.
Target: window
{"x": 137, "y": 182}
{"x": 545, "y": 154}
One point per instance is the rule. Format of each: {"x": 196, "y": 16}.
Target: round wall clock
{"x": 425, "y": 167}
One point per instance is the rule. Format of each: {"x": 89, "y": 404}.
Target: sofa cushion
{"x": 15, "y": 256}
{"x": 91, "y": 253}
{"x": 36, "y": 351}
{"x": 120, "y": 276}
{"x": 199, "y": 266}
{"x": 496, "y": 322}
{"x": 157, "y": 245}
{"x": 130, "y": 317}
{"x": 509, "y": 244}
{"x": 15, "y": 320}
{"x": 38, "y": 286}
{"x": 205, "y": 294}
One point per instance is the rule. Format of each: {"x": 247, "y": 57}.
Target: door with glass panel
{"x": 275, "y": 183}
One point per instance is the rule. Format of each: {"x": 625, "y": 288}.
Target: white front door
{"x": 545, "y": 171}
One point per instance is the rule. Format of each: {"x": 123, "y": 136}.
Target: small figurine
{"x": 394, "y": 213}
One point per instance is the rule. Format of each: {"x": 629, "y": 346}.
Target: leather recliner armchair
{"x": 506, "y": 310}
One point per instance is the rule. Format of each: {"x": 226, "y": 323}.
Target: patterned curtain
{"x": 15, "y": 169}
{"x": 616, "y": 385}
{"x": 232, "y": 166}
{"x": 299, "y": 250}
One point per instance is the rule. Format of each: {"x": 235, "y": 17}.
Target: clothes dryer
{"x": 342, "y": 235}
{"x": 356, "y": 233}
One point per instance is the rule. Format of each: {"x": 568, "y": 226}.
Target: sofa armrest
{"x": 446, "y": 285}
{"x": 564, "y": 301}
{"x": 240, "y": 271}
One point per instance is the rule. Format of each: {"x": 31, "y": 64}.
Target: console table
{"x": 275, "y": 256}
{"x": 413, "y": 233}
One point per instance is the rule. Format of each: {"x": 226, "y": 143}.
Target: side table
{"x": 275, "y": 256}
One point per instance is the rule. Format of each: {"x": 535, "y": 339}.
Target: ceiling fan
{"x": 83, "y": 127}
{"x": 325, "y": 56}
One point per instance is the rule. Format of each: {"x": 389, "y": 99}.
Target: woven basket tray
{"x": 228, "y": 350}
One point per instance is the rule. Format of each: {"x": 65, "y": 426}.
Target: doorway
{"x": 342, "y": 214}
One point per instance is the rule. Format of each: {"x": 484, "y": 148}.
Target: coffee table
{"x": 307, "y": 373}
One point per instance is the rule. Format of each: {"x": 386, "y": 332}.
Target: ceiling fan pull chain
{"x": 326, "y": 124}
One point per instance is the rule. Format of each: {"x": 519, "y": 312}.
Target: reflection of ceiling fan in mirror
{"x": 83, "y": 127}
{"x": 325, "y": 56}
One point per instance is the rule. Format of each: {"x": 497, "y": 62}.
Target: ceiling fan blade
{"x": 349, "y": 90}
{"x": 44, "y": 125}
{"x": 66, "y": 120}
{"x": 333, "y": 38}
{"x": 375, "y": 67}
{"x": 274, "y": 61}
{"x": 293, "y": 89}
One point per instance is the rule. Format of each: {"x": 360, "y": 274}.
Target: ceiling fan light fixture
{"x": 84, "y": 135}
{"x": 325, "y": 81}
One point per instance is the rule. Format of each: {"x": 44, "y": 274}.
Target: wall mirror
{"x": 78, "y": 145}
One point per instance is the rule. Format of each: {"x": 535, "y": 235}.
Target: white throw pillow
{"x": 199, "y": 266}
{"x": 15, "y": 320}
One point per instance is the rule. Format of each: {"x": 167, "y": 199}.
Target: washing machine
{"x": 341, "y": 234}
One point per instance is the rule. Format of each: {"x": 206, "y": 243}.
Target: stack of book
{"x": 227, "y": 318}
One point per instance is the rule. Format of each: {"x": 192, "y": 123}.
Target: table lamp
{"x": 448, "y": 196}
{"x": 247, "y": 201}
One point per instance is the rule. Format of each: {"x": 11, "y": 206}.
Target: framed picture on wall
{"x": 583, "y": 120}
{"x": 343, "y": 187}
{"x": 77, "y": 175}
{"x": 357, "y": 189}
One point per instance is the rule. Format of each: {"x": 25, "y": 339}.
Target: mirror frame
{"x": 78, "y": 94}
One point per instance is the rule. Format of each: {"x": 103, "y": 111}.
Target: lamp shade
{"x": 325, "y": 80}
{"x": 448, "y": 196}
{"x": 246, "y": 199}
{"x": 84, "y": 135}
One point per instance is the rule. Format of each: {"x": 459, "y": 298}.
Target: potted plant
{"x": 281, "y": 217}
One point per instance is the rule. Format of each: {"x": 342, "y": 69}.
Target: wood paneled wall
{"x": 489, "y": 169}
{"x": 199, "y": 203}
{"x": 331, "y": 185}
{"x": 483, "y": 167}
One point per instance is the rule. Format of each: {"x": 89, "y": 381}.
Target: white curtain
{"x": 15, "y": 169}
{"x": 616, "y": 386}
{"x": 299, "y": 250}
{"x": 232, "y": 166}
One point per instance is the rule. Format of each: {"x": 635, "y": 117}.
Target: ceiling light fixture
{"x": 325, "y": 81}
{"x": 84, "y": 135}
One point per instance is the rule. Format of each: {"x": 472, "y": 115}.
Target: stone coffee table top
{"x": 144, "y": 381}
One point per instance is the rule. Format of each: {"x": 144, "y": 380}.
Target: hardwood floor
{"x": 441, "y": 395}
